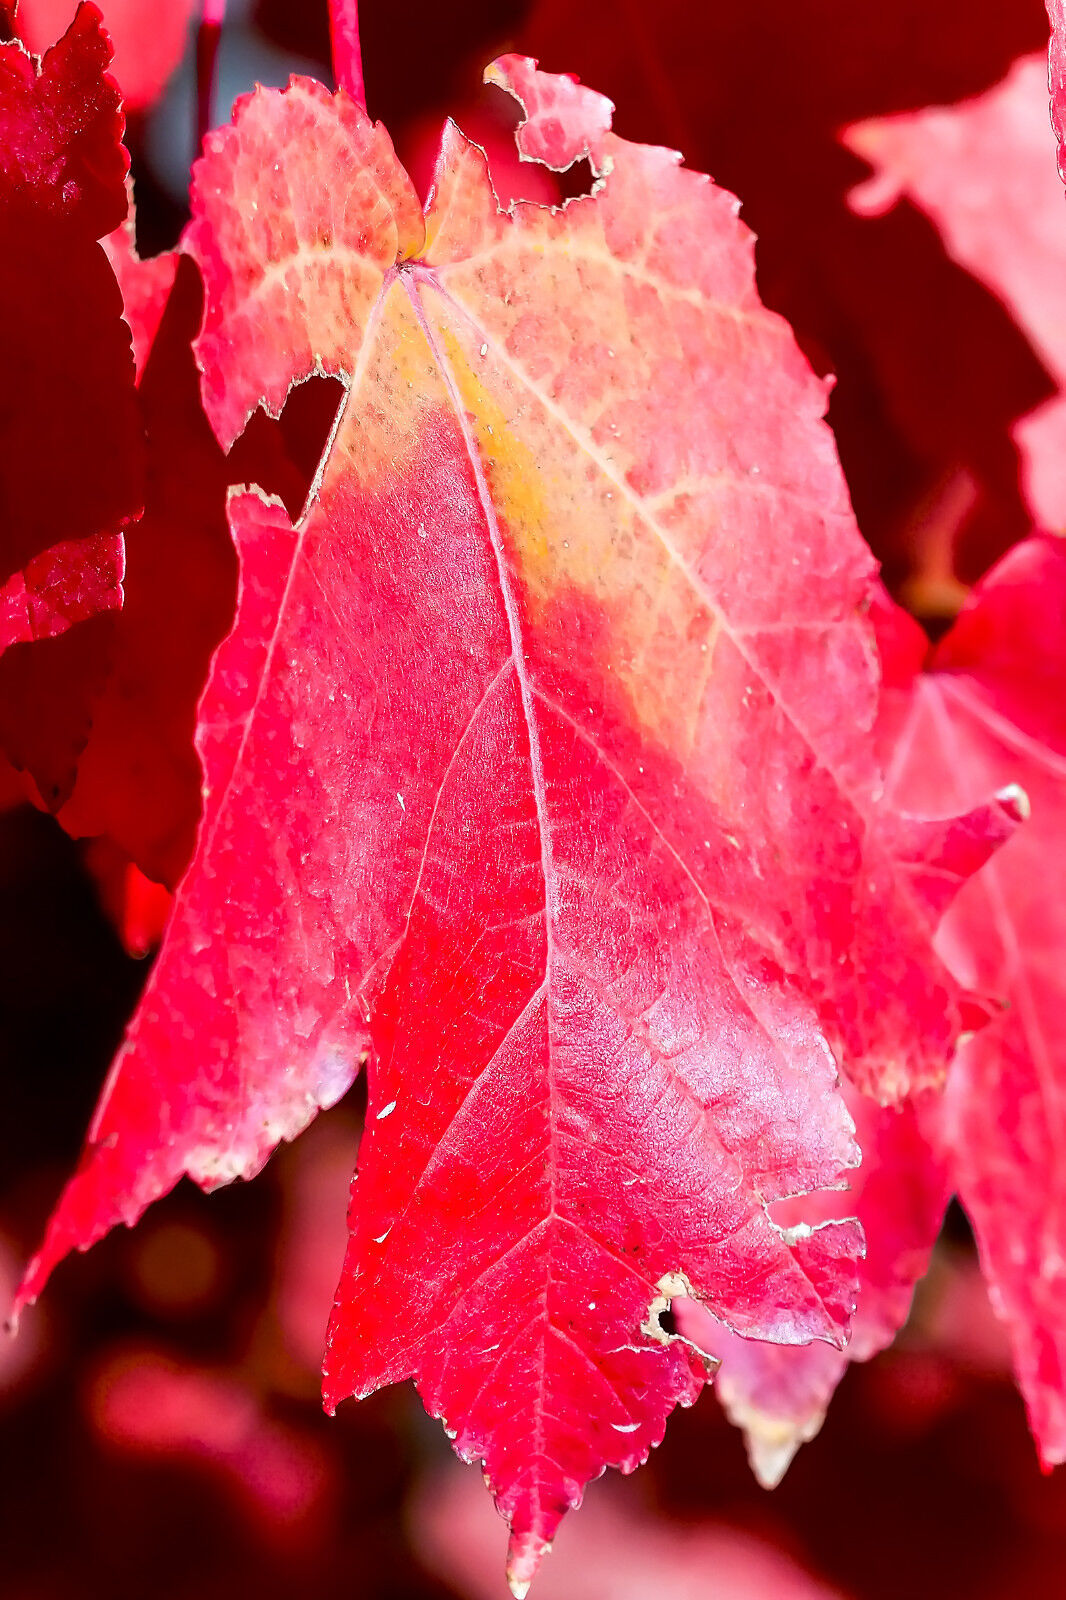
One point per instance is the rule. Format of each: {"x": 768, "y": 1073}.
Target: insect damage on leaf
{"x": 539, "y": 769}
{"x": 670, "y": 1287}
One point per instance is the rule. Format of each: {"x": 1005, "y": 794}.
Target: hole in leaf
{"x": 668, "y": 1322}
{"x": 576, "y": 181}
{"x": 490, "y": 118}
{"x": 956, "y": 1229}
{"x": 283, "y": 455}
{"x": 492, "y": 122}
{"x": 355, "y": 1098}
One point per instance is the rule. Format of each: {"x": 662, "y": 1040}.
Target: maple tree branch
{"x": 347, "y": 51}
{"x": 207, "y": 42}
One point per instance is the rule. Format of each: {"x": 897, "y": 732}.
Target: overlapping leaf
{"x": 988, "y": 714}
{"x": 149, "y": 40}
{"x": 72, "y": 468}
{"x": 539, "y": 770}
{"x": 779, "y": 1394}
{"x": 138, "y": 778}
{"x": 145, "y": 284}
{"x": 983, "y": 172}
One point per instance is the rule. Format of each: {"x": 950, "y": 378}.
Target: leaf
{"x": 62, "y": 122}
{"x": 75, "y": 579}
{"x": 149, "y": 40}
{"x": 71, "y": 479}
{"x": 983, "y": 172}
{"x": 136, "y": 906}
{"x": 145, "y": 285}
{"x": 990, "y": 713}
{"x": 1057, "y": 76}
{"x": 779, "y": 1394}
{"x": 539, "y": 771}
{"x": 138, "y": 778}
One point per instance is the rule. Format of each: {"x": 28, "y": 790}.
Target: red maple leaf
{"x": 148, "y": 40}
{"x": 145, "y": 285}
{"x": 990, "y": 713}
{"x": 71, "y": 478}
{"x": 138, "y": 776}
{"x": 538, "y": 769}
{"x": 982, "y": 171}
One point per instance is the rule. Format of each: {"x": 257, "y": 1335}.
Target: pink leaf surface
{"x": 539, "y": 772}
{"x": 991, "y": 713}
{"x": 984, "y": 172}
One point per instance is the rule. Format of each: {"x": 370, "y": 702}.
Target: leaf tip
{"x": 771, "y": 1441}
{"x": 770, "y": 1457}
{"x": 30, "y": 1286}
{"x": 38, "y": 1271}
{"x": 525, "y": 1553}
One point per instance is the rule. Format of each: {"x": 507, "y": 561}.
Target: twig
{"x": 347, "y": 52}
{"x": 207, "y": 41}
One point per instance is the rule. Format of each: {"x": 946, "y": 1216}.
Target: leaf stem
{"x": 347, "y": 52}
{"x": 207, "y": 41}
